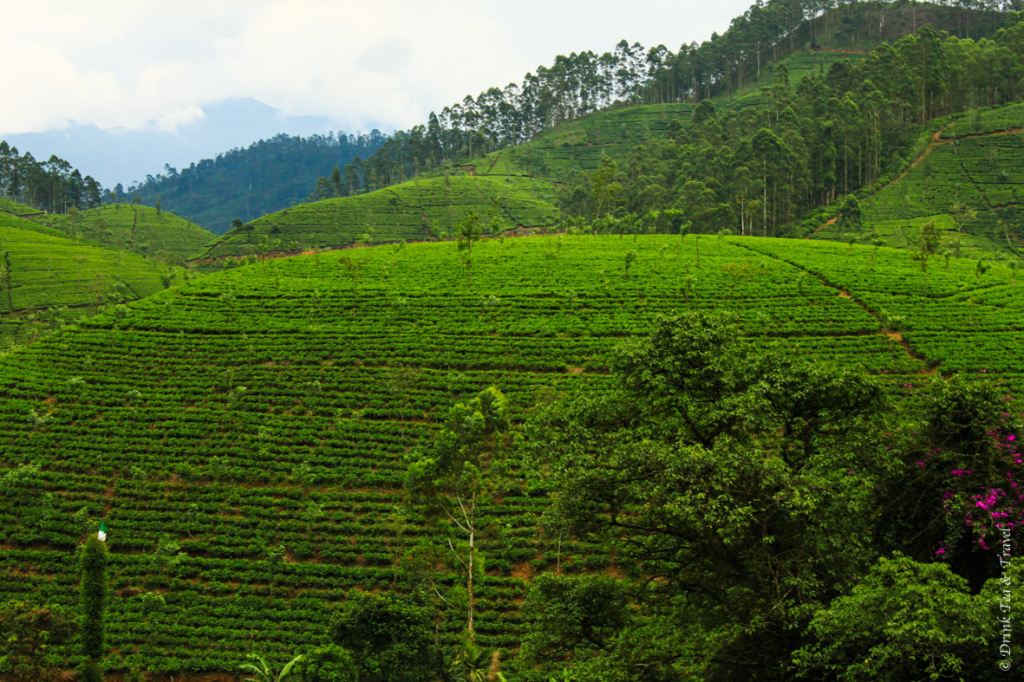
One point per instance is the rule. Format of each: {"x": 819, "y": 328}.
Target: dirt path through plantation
{"x": 890, "y": 335}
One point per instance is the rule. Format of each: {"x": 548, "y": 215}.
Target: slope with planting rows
{"x": 969, "y": 181}
{"x": 245, "y": 436}
{"x": 42, "y": 270}
{"x": 132, "y": 227}
{"x": 418, "y": 210}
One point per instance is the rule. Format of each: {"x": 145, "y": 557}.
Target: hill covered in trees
{"x": 264, "y": 177}
{"x": 776, "y": 156}
{"x": 631, "y": 75}
{"x": 51, "y": 185}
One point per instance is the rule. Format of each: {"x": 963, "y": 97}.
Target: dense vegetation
{"x": 52, "y": 185}
{"x": 247, "y": 437}
{"x": 659, "y": 445}
{"x": 267, "y": 176}
{"x": 631, "y": 75}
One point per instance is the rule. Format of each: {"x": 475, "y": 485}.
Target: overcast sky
{"x": 371, "y": 63}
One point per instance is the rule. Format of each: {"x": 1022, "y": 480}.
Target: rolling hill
{"x": 140, "y": 229}
{"x": 418, "y": 210}
{"x": 44, "y": 275}
{"x": 245, "y": 436}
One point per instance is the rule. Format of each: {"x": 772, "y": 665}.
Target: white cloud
{"x": 173, "y": 121}
{"x": 44, "y": 91}
{"x": 126, "y": 62}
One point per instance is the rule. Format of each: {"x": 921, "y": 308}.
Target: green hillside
{"x": 141, "y": 229}
{"x": 521, "y": 179}
{"x": 44, "y": 271}
{"x": 41, "y": 275}
{"x": 969, "y": 182}
{"x": 580, "y": 145}
{"x": 246, "y": 436}
{"x": 418, "y": 210}
{"x": 14, "y": 208}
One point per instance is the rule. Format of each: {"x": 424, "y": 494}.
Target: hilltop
{"x": 147, "y": 231}
{"x": 246, "y": 183}
{"x": 44, "y": 275}
{"x": 830, "y": 115}
{"x": 419, "y": 210}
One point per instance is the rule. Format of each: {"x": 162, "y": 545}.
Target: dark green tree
{"x": 738, "y": 484}
{"x": 94, "y": 593}
{"x": 391, "y": 638}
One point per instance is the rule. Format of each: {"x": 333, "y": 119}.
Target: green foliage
{"x": 730, "y": 480}
{"x": 451, "y": 479}
{"x": 571, "y": 615}
{"x": 262, "y": 672}
{"x": 30, "y": 633}
{"x": 905, "y": 620}
{"x": 476, "y": 664}
{"x": 390, "y": 638}
{"x": 267, "y": 176}
{"x": 95, "y": 592}
{"x": 329, "y": 663}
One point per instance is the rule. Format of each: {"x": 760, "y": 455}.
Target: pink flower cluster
{"x": 993, "y": 506}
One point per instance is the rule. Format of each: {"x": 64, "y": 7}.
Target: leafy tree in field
{"x": 573, "y": 614}
{"x": 469, "y": 232}
{"x": 94, "y": 594}
{"x": 739, "y": 484}
{"x": 390, "y": 638}
{"x": 604, "y": 188}
{"x": 330, "y": 663}
{"x": 451, "y": 478}
{"x": 28, "y": 634}
{"x": 850, "y": 214}
{"x": 928, "y": 244}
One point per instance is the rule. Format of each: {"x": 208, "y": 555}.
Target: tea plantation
{"x": 246, "y": 436}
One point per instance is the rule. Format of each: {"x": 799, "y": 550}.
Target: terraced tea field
{"x": 418, "y": 210}
{"x": 976, "y": 162}
{"x": 42, "y": 270}
{"x": 137, "y": 228}
{"x": 245, "y": 436}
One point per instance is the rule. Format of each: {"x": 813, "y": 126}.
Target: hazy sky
{"x": 372, "y": 63}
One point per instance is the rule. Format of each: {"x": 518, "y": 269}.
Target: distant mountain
{"x": 127, "y": 156}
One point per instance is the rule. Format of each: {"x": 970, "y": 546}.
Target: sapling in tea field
{"x": 452, "y": 477}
